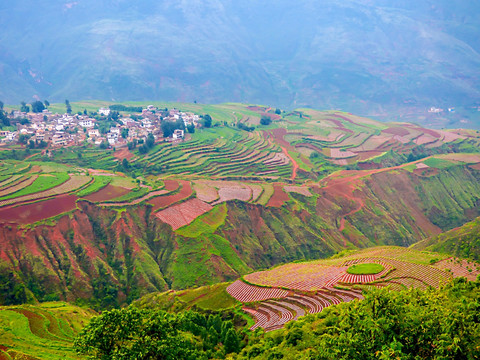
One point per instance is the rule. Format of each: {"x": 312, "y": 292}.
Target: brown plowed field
{"x": 400, "y": 131}
{"x": 109, "y": 192}
{"x": 30, "y": 213}
{"x": 279, "y": 196}
{"x": 183, "y": 214}
{"x": 161, "y": 202}
{"x": 171, "y": 185}
{"x": 123, "y": 154}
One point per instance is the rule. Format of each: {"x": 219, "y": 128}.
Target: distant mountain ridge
{"x": 355, "y": 55}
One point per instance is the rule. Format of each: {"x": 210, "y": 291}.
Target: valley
{"x": 259, "y": 222}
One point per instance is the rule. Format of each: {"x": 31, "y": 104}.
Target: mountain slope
{"x": 113, "y": 256}
{"x": 463, "y": 241}
{"x": 354, "y": 55}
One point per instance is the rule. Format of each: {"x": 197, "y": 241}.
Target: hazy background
{"x": 380, "y": 58}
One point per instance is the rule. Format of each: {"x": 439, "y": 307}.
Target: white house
{"x": 104, "y": 111}
{"x": 86, "y": 123}
{"x": 178, "y": 134}
{"x": 93, "y": 133}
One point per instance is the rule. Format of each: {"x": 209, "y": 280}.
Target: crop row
{"x": 75, "y": 182}
{"x": 298, "y": 276}
{"x": 248, "y": 293}
{"x": 273, "y": 314}
{"x": 18, "y": 185}
{"x": 184, "y": 213}
{"x": 241, "y": 154}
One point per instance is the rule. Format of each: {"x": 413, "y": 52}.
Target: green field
{"x": 42, "y": 183}
{"x": 365, "y": 269}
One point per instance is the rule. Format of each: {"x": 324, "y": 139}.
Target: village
{"x": 105, "y": 128}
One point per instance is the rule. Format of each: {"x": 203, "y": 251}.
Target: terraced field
{"x": 234, "y": 153}
{"x": 276, "y": 296}
{"x": 43, "y": 331}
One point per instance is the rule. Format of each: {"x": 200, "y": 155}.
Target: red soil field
{"x": 340, "y": 126}
{"x": 295, "y": 165}
{"x": 365, "y": 155}
{"x": 347, "y": 119}
{"x": 475, "y": 166}
{"x": 278, "y": 134}
{"x": 109, "y": 192}
{"x": 123, "y": 154}
{"x": 183, "y": 214}
{"x": 279, "y": 196}
{"x": 30, "y": 213}
{"x": 257, "y": 108}
{"x": 171, "y": 185}
{"x": 397, "y": 131}
{"x": 161, "y": 202}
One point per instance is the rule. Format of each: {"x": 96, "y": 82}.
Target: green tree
{"x": 131, "y": 333}
{"x": 124, "y": 133}
{"x": 68, "y": 107}
{"x": 207, "y": 120}
{"x": 150, "y": 143}
{"x": 232, "y": 342}
{"x": 265, "y": 120}
{"x": 191, "y": 128}
{"x": 46, "y": 103}
{"x": 37, "y": 106}
{"x": 24, "y": 107}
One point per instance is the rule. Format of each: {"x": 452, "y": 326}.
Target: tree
{"x": 150, "y": 141}
{"x": 125, "y": 164}
{"x": 47, "y": 103}
{"x": 124, "y": 133}
{"x": 104, "y": 145}
{"x": 143, "y": 149}
{"x": 1, "y": 105}
{"x": 37, "y": 106}
{"x": 69, "y": 108}
{"x": 278, "y": 111}
{"x": 207, "y": 120}
{"x": 31, "y": 144}
{"x": 265, "y": 120}
{"x": 232, "y": 342}
{"x": 23, "y": 138}
{"x": 24, "y": 107}
{"x": 191, "y": 128}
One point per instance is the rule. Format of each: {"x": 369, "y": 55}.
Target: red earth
{"x": 295, "y": 165}
{"x": 30, "y": 213}
{"x": 123, "y": 154}
{"x": 161, "y": 202}
{"x": 109, "y": 192}
{"x": 340, "y": 126}
{"x": 171, "y": 185}
{"x": 184, "y": 213}
{"x": 396, "y": 131}
{"x": 347, "y": 119}
{"x": 279, "y": 196}
{"x": 475, "y": 166}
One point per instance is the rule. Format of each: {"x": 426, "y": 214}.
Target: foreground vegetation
{"x": 433, "y": 324}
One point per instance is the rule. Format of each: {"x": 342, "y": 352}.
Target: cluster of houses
{"x": 69, "y": 129}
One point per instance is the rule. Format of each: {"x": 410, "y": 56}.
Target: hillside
{"x": 44, "y": 331}
{"x": 381, "y": 59}
{"x": 80, "y": 224}
{"x": 323, "y": 296}
{"x": 463, "y": 241}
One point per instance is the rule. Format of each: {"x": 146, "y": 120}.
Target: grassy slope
{"x": 43, "y": 331}
{"x": 462, "y": 242}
